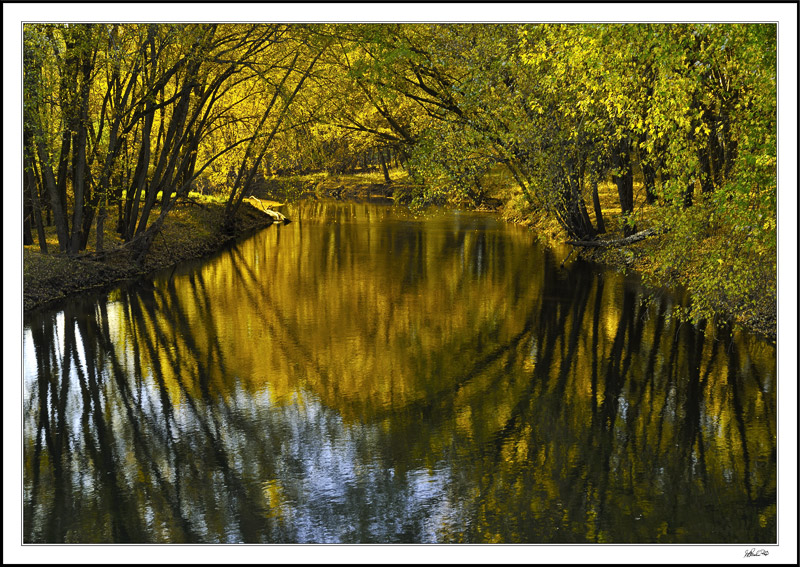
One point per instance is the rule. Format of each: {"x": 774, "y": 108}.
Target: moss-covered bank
{"x": 193, "y": 230}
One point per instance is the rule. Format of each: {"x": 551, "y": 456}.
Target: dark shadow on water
{"x": 364, "y": 376}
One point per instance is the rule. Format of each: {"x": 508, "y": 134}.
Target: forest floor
{"x": 192, "y": 230}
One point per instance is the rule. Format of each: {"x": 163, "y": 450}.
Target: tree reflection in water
{"x": 362, "y": 375}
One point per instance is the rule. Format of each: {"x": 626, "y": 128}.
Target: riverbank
{"x": 756, "y": 314}
{"x": 192, "y": 230}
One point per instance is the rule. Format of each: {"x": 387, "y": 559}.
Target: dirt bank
{"x": 191, "y": 231}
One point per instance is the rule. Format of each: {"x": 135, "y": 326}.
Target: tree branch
{"x": 619, "y": 242}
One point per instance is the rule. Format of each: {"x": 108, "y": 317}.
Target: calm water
{"x": 365, "y": 375}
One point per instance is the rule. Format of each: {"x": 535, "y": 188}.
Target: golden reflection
{"x": 362, "y": 370}
{"x": 350, "y": 322}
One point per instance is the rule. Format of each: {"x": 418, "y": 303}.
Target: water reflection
{"x": 363, "y": 375}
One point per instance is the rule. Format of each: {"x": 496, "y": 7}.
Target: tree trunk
{"x": 101, "y": 217}
{"x": 44, "y": 206}
{"x": 598, "y": 210}
{"x": 571, "y": 209}
{"x": 385, "y": 169}
{"x": 71, "y": 118}
{"x": 79, "y": 185}
{"x": 60, "y": 213}
{"x": 139, "y": 179}
{"x": 163, "y": 174}
{"x": 648, "y": 170}
{"x": 89, "y": 209}
{"x": 105, "y": 179}
{"x": 59, "y": 216}
{"x": 649, "y": 174}
{"x": 580, "y": 213}
{"x": 37, "y": 214}
{"x": 27, "y": 212}
{"x": 706, "y": 182}
{"x": 35, "y": 209}
{"x": 579, "y": 218}
{"x": 120, "y": 179}
{"x": 688, "y": 194}
{"x": 623, "y": 178}
{"x": 140, "y": 176}
{"x": 716, "y": 155}
{"x": 730, "y": 148}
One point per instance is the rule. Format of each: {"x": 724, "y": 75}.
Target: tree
{"x": 134, "y": 105}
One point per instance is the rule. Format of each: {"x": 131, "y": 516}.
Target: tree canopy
{"x": 123, "y": 120}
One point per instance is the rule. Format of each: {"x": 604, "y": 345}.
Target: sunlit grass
{"x": 220, "y": 199}
{"x": 372, "y": 176}
{"x": 111, "y": 237}
{"x": 192, "y": 229}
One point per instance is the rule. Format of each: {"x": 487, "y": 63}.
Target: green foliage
{"x": 689, "y": 108}
{"x": 455, "y": 173}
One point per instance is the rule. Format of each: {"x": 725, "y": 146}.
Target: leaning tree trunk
{"x": 581, "y": 215}
{"x": 573, "y": 214}
{"x": 636, "y": 237}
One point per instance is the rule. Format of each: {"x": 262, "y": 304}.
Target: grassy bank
{"x": 192, "y": 230}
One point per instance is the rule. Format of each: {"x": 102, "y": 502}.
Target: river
{"x": 367, "y": 374}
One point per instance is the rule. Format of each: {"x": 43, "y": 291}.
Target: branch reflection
{"x": 362, "y": 375}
